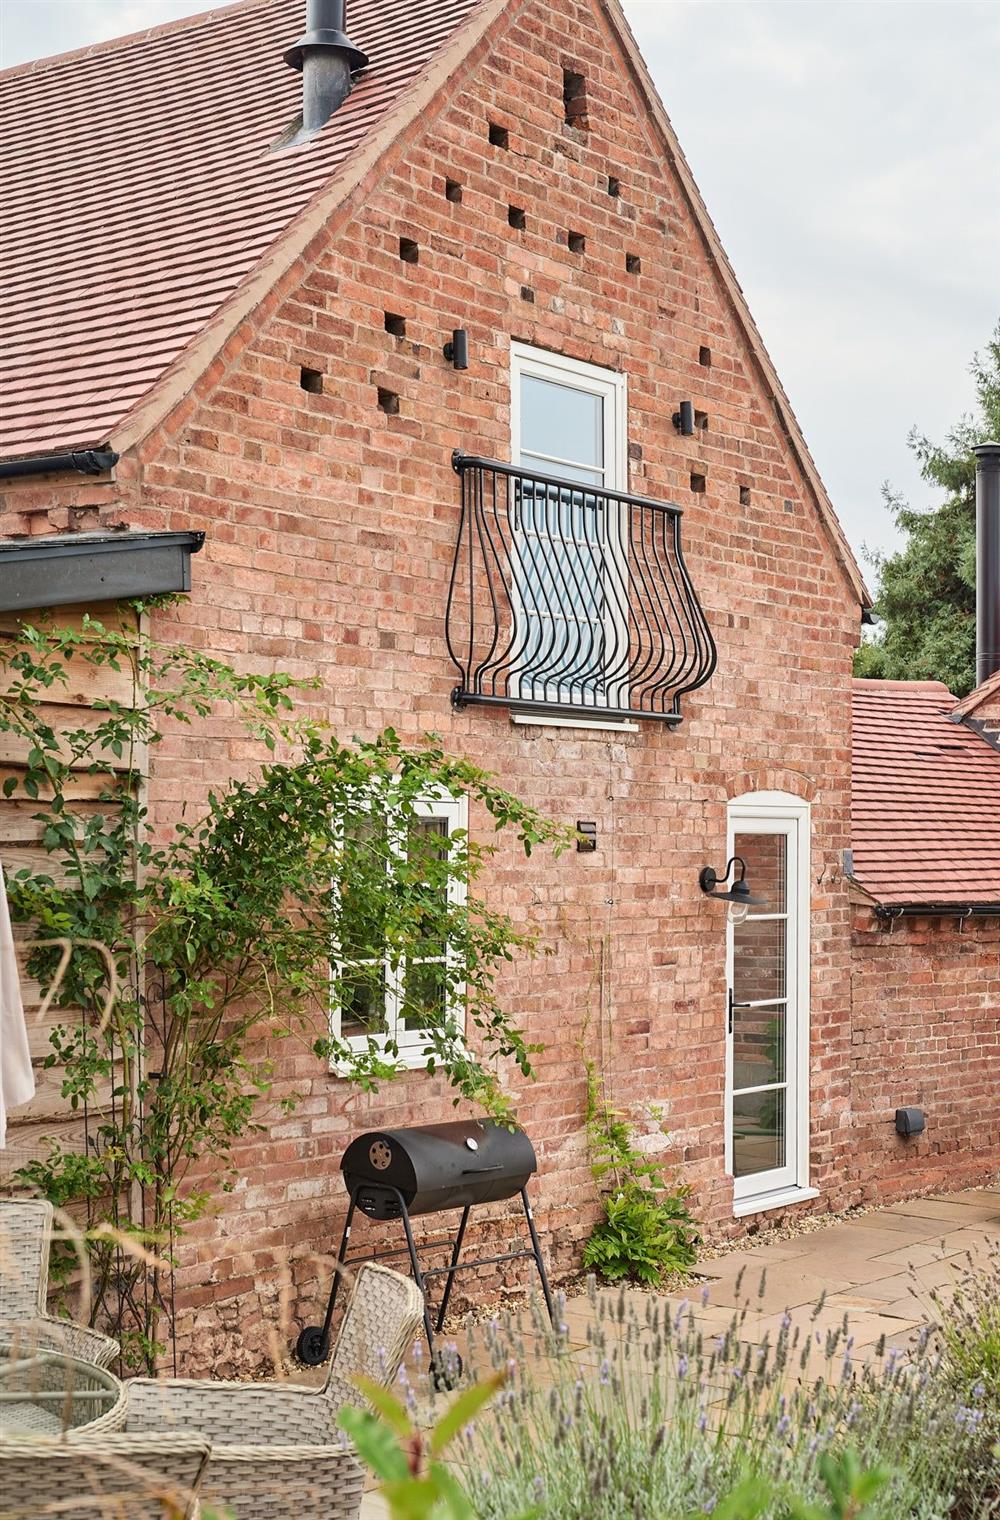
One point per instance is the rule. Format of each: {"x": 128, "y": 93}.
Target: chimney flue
{"x": 326, "y": 57}
{"x": 987, "y": 560}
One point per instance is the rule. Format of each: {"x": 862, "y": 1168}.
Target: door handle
{"x": 732, "y": 1006}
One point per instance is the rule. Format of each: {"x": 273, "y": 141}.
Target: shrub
{"x": 658, "y": 1421}
{"x": 647, "y": 1231}
{"x": 968, "y": 1330}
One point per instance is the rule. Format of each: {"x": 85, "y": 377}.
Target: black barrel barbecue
{"x": 400, "y": 1173}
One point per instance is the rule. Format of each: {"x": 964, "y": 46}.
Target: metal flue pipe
{"x": 326, "y": 58}
{"x": 987, "y": 560}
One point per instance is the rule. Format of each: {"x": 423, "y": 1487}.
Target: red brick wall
{"x": 926, "y": 1032}
{"x": 330, "y": 533}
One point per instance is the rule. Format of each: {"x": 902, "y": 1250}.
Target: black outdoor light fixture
{"x": 457, "y": 351}
{"x": 739, "y": 897}
{"x": 683, "y": 419}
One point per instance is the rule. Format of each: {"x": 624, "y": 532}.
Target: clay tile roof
{"x": 986, "y": 691}
{"x": 925, "y": 798}
{"x": 139, "y": 193}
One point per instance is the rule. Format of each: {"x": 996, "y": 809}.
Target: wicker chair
{"x": 277, "y": 1453}
{"x": 25, "y": 1233}
{"x": 110, "y": 1477}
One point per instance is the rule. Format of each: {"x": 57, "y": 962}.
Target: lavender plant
{"x": 968, "y": 1332}
{"x": 655, "y": 1419}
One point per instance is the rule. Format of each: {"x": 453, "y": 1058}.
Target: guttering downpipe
{"x": 326, "y": 57}
{"x": 84, "y": 461}
{"x": 987, "y": 560}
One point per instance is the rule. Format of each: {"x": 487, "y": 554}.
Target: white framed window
{"x": 369, "y": 996}
{"x": 767, "y": 1011}
{"x": 570, "y": 592}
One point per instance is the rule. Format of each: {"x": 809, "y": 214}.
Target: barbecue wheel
{"x": 446, "y": 1375}
{"x": 310, "y": 1347}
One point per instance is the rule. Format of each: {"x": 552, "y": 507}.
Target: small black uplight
{"x": 910, "y": 1121}
{"x": 457, "y": 351}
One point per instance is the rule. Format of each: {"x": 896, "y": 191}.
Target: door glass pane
{"x": 561, "y": 556}
{"x": 758, "y": 1046}
{"x": 760, "y": 1031}
{"x": 562, "y": 421}
{"x": 765, "y": 856}
{"x": 759, "y": 1132}
{"x": 759, "y": 959}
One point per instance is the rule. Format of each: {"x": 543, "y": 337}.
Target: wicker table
{"x": 43, "y": 1393}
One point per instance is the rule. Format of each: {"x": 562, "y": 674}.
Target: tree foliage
{"x": 926, "y": 603}
{"x": 222, "y": 926}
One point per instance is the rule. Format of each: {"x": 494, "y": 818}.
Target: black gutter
{"x": 85, "y": 461}
{"x": 54, "y": 570}
{"x": 938, "y": 910}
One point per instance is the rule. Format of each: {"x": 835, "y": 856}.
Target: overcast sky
{"x": 849, "y": 153}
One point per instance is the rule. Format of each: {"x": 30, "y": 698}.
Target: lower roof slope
{"x": 139, "y": 192}
{"x": 925, "y": 799}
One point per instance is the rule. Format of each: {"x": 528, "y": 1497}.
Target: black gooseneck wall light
{"x": 738, "y": 896}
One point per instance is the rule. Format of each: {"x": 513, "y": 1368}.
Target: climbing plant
{"x": 647, "y": 1231}
{"x": 223, "y": 921}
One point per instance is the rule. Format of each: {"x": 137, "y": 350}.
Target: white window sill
{"x": 542, "y": 720}
{"x": 407, "y": 1060}
{"x": 767, "y": 1201}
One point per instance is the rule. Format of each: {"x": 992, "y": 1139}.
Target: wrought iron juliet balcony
{"x": 568, "y": 598}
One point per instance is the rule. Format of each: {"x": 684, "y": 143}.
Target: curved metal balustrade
{"x": 567, "y": 597}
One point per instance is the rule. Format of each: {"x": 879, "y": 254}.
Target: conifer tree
{"x": 926, "y": 602}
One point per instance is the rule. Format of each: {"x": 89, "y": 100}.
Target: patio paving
{"x": 878, "y": 1268}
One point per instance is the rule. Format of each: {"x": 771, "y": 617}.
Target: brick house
{"x": 925, "y": 836}
{"x": 239, "y": 331}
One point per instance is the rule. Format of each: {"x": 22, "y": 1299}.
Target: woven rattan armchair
{"x": 109, "y": 1477}
{"x": 25, "y": 1233}
{"x": 277, "y": 1453}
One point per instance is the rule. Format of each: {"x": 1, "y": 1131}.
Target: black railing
{"x": 565, "y": 597}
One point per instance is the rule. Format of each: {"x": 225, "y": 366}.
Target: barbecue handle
{"x": 476, "y": 1171}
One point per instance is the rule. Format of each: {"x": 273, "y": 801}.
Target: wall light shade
{"x": 457, "y": 351}
{"x": 738, "y": 896}
{"x": 683, "y": 419}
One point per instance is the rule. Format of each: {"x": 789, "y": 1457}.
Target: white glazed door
{"x": 767, "y": 1008}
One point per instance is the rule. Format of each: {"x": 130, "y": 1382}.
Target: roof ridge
{"x": 910, "y": 688}
{"x": 744, "y": 317}
{"x": 113, "y": 44}
{"x": 979, "y": 694}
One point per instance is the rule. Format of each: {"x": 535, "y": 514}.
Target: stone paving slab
{"x": 946, "y": 1208}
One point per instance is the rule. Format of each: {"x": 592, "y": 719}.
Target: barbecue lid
{"x": 439, "y": 1155}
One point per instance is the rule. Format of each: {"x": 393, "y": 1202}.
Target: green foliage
{"x": 647, "y": 1231}
{"x": 663, "y": 1417}
{"x": 222, "y": 926}
{"x": 851, "y": 1490}
{"x": 968, "y": 1330}
{"x": 416, "y": 1484}
{"x": 926, "y": 603}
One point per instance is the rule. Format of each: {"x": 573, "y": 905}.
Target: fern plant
{"x": 647, "y": 1232}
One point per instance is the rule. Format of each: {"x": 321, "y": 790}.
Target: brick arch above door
{"x": 792, "y": 783}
